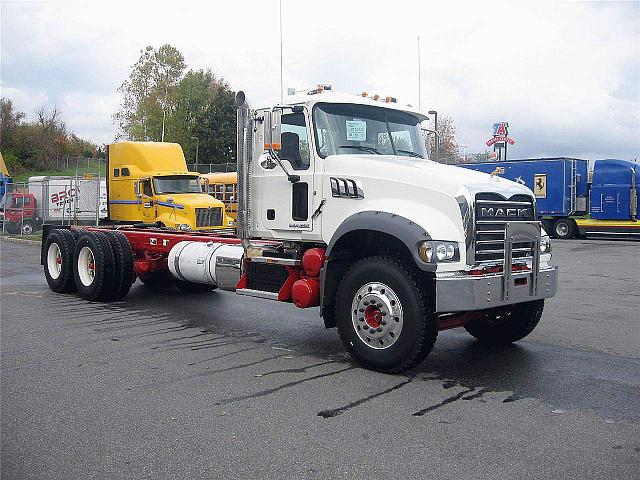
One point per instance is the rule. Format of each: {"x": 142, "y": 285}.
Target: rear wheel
{"x": 384, "y": 316}
{"x": 93, "y": 266}
{"x": 506, "y": 324}
{"x": 564, "y": 228}
{"x": 58, "y": 261}
{"x": 192, "y": 287}
{"x": 124, "y": 274}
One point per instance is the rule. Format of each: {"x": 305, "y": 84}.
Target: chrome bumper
{"x": 466, "y": 293}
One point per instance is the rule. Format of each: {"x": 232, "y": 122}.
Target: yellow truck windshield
{"x": 176, "y": 184}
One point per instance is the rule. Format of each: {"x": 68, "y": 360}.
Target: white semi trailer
{"x": 62, "y": 199}
{"x": 340, "y": 209}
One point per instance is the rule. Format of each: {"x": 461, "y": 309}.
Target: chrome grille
{"x": 208, "y": 217}
{"x": 492, "y": 212}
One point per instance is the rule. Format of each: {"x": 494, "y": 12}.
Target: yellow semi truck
{"x": 148, "y": 182}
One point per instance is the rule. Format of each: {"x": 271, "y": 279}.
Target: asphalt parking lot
{"x": 220, "y": 386}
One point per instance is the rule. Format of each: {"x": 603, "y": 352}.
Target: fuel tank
{"x": 212, "y": 263}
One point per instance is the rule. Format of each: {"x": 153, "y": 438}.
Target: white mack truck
{"x": 339, "y": 208}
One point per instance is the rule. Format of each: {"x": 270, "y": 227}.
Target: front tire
{"x": 507, "y": 324}
{"x": 384, "y": 315}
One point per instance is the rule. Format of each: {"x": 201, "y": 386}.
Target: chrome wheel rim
{"x": 376, "y": 314}
{"x": 27, "y": 229}
{"x": 562, "y": 229}
{"x": 54, "y": 261}
{"x": 86, "y": 266}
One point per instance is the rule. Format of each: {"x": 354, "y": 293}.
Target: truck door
{"x": 146, "y": 208}
{"x": 286, "y": 206}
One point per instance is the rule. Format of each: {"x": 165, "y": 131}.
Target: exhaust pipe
{"x": 244, "y": 150}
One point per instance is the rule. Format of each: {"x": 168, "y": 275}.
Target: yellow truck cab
{"x": 149, "y": 182}
{"x": 224, "y": 187}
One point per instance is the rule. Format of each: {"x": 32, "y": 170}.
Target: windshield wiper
{"x": 413, "y": 154}
{"x": 361, "y": 147}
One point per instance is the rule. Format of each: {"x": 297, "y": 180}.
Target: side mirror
{"x": 275, "y": 130}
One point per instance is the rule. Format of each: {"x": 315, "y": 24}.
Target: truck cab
{"x": 18, "y": 213}
{"x": 148, "y": 182}
{"x": 224, "y": 187}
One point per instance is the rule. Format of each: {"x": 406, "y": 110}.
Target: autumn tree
{"x": 448, "y": 147}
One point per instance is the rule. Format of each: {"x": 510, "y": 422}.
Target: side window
{"x": 146, "y": 188}
{"x": 295, "y": 142}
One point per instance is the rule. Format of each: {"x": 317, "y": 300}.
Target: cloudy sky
{"x": 566, "y": 76}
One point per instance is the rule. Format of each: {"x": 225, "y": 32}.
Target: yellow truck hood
{"x": 188, "y": 200}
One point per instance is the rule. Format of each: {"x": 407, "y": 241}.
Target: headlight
{"x": 184, "y": 227}
{"x": 444, "y": 251}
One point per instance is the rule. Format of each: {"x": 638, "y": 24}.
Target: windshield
{"x": 350, "y": 128}
{"x": 176, "y": 184}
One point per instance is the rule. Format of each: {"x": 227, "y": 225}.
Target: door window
{"x": 295, "y": 142}
{"x": 146, "y": 188}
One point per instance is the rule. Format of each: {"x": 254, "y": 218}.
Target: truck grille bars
{"x": 209, "y": 217}
{"x": 492, "y": 212}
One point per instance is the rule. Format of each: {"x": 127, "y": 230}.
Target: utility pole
{"x": 281, "y": 79}
{"x": 197, "y": 145}
{"x": 419, "y": 74}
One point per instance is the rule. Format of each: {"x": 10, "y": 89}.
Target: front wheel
{"x": 506, "y": 324}
{"x": 384, "y": 316}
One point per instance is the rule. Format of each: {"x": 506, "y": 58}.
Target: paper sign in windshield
{"x": 356, "y": 130}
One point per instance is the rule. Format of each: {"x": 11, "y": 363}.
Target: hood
{"x": 447, "y": 179}
{"x": 190, "y": 200}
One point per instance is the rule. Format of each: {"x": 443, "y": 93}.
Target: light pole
{"x": 464, "y": 152}
{"x": 435, "y": 128}
{"x": 197, "y": 145}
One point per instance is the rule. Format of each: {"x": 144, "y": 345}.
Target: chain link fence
{"x": 212, "y": 167}
{"x": 59, "y": 200}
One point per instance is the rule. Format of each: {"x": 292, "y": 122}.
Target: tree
{"x": 149, "y": 93}
{"x": 448, "y": 151}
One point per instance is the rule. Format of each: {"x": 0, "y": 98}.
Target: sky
{"x": 566, "y": 76}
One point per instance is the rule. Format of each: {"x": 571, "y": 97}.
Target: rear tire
{"x": 94, "y": 266}
{"x": 192, "y": 287}
{"x": 58, "y": 261}
{"x": 507, "y": 324}
{"x": 384, "y": 315}
{"x": 564, "y": 228}
{"x": 124, "y": 274}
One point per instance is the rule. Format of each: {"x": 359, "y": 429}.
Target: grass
{"x": 65, "y": 172}
{"x": 35, "y": 236}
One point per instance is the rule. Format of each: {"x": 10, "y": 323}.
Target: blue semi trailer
{"x": 571, "y": 204}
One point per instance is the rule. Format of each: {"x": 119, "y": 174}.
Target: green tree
{"x": 149, "y": 94}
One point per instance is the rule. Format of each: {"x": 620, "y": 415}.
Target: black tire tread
{"x": 123, "y": 265}
{"x": 67, "y": 246}
{"x": 103, "y": 255}
{"x": 429, "y": 332}
{"x": 524, "y": 319}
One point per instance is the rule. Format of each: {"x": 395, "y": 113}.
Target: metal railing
{"x": 212, "y": 167}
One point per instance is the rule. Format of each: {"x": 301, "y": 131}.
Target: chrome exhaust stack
{"x": 244, "y": 150}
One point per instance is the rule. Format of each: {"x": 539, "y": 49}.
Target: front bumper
{"x": 461, "y": 293}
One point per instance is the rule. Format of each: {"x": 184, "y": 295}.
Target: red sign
{"x": 502, "y": 139}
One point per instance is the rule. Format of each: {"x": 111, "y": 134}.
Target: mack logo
{"x": 504, "y": 212}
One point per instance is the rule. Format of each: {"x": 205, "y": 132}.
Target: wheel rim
{"x": 562, "y": 229}
{"x": 27, "y": 229}
{"x": 86, "y": 266}
{"x": 376, "y": 314}
{"x": 54, "y": 261}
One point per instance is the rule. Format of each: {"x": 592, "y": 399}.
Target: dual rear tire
{"x": 98, "y": 265}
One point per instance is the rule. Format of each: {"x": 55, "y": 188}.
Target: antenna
{"x": 281, "y": 81}
{"x": 419, "y": 82}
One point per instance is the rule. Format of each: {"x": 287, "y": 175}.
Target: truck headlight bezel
{"x": 183, "y": 227}
{"x": 438, "y": 251}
